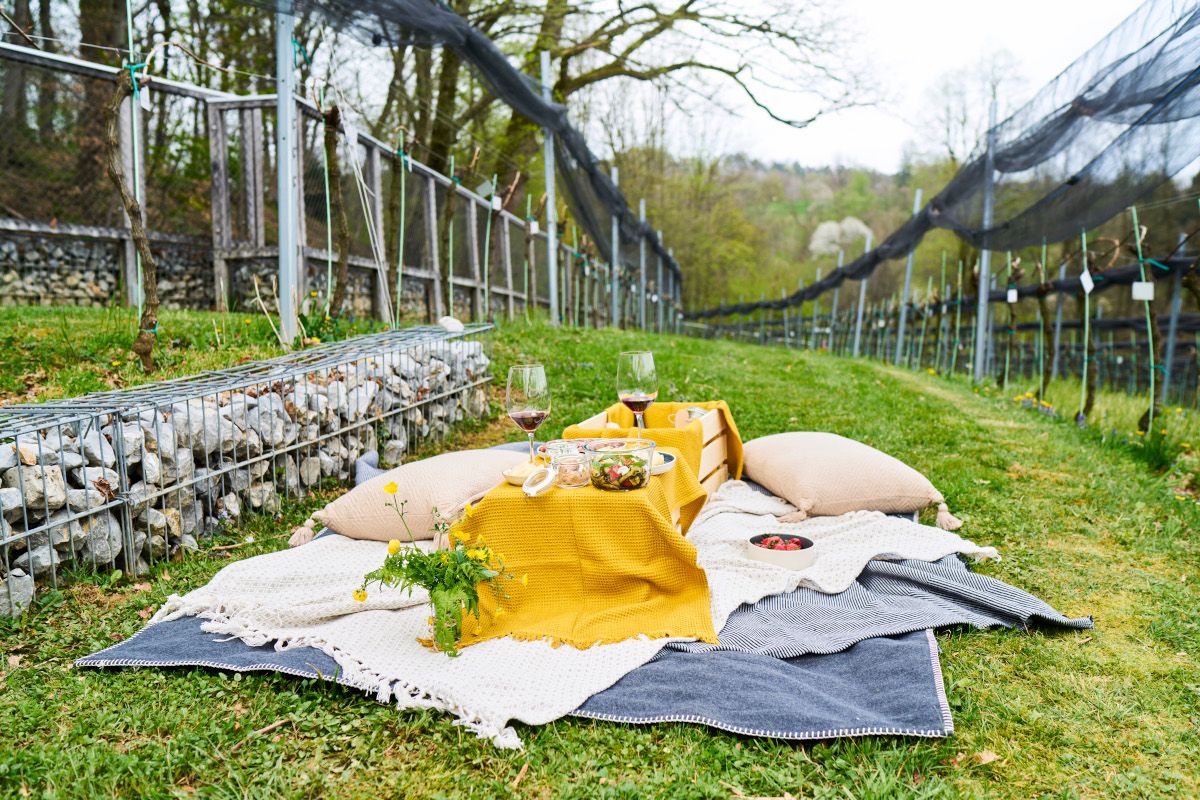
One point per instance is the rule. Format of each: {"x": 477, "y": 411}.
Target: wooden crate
{"x": 714, "y": 458}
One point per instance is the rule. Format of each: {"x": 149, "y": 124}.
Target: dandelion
{"x": 1141, "y": 433}
{"x": 315, "y": 340}
{"x": 390, "y": 487}
{"x": 313, "y": 293}
{"x": 115, "y": 363}
{"x": 477, "y": 555}
{"x": 1180, "y": 497}
{"x": 393, "y": 547}
{"x": 1186, "y": 445}
{"x": 931, "y": 371}
{"x": 459, "y": 535}
{"x": 360, "y": 595}
{"x": 246, "y": 321}
{"x": 1164, "y": 430}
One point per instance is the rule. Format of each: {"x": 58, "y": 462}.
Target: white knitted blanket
{"x": 302, "y": 598}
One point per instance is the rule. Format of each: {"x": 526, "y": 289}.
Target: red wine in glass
{"x": 527, "y": 398}
{"x": 637, "y": 382}
{"x": 637, "y": 403}
{"x": 529, "y": 421}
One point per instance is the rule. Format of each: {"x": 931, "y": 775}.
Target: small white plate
{"x": 667, "y": 465}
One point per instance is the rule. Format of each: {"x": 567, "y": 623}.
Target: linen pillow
{"x": 823, "y": 474}
{"x": 446, "y": 482}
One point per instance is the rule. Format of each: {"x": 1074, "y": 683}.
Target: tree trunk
{"x": 1160, "y": 354}
{"x": 47, "y": 81}
{"x": 15, "y": 104}
{"x": 333, "y": 120}
{"x": 1089, "y": 343}
{"x": 143, "y": 345}
{"x": 100, "y": 22}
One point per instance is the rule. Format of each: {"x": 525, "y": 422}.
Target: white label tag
{"x": 144, "y": 97}
{"x": 496, "y": 202}
{"x": 1085, "y": 280}
{"x": 1143, "y": 290}
{"x": 533, "y": 227}
{"x": 1012, "y": 296}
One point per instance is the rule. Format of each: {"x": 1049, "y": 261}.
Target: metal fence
{"x": 206, "y": 165}
{"x": 1021, "y": 344}
{"x": 122, "y": 479}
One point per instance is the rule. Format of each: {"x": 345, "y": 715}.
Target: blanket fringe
{"x": 556, "y": 641}
{"x": 224, "y": 620}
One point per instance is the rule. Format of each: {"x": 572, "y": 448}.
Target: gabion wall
{"x": 123, "y": 479}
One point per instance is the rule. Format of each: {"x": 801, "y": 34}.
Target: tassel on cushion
{"x": 800, "y": 514}
{"x": 945, "y": 520}
{"x": 304, "y": 534}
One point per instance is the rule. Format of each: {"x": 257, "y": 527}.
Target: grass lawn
{"x": 1081, "y": 522}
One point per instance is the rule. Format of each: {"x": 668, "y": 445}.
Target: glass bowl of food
{"x": 620, "y": 465}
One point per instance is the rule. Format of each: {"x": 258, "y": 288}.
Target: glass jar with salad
{"x": 620, "y": 465}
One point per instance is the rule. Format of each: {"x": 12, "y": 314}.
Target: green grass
{"x": 1113, "y": 712}
{"x": 52, "y": 352}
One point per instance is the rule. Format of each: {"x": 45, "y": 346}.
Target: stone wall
{"x": 46, "y": 269}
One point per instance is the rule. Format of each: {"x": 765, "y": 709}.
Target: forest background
{"x": 642, "y": 81}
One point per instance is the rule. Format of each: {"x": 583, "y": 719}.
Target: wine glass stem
{"x": 641, "y": 422}
{"x": 531, "y": 448}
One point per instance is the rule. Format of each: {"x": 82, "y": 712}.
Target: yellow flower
{"x": 115, "y": 363}
{"x": 360, "y": 595}
{"x": 246, "y": 321}
{"x": 1141, "y": 433}
{"x": 315, "y": 340}
{"x": 1164, "y": 430}
{"x": 468, "y": 510}
{"x": 459, "y": 535}
{"x": 312, "y": 293}
{"x": 390, "y": 487}
{"x": 525, "y": 579}
{"x": 445, "y": 557}
{"x": 931, "y": 371}
{"x": 429, "y": 621}
{"x": 1186, "y": 445}
{"x": 1180, "y": 497}
{"x": 393, "y": 547}
{"x": 477, "y": 555}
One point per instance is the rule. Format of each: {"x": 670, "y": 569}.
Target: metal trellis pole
{"x": 982, "y": 323}
{"x": 287, "y": 171}
{"x": 551, "y": 198}
{"x": 862, "y": 298}
{"x": 908, "y": 270}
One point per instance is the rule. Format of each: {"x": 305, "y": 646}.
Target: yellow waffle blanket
{"x": 592, "y": 566}
{"x": 660, "y": 428}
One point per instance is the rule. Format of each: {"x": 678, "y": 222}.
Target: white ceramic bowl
{"x": 788, "y": 559}
{"x": 666, "y": 466}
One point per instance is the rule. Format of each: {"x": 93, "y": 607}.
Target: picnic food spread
{"x": 620, "y": 464}
{"x": 602, "y": 567}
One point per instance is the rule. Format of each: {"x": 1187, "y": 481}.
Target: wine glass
{"x": 527, "y": 398}
{"x": 637, "y": 382}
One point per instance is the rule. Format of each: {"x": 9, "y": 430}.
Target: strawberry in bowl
{"x": 781, "y": 549}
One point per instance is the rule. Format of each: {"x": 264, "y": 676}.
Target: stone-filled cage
{"x": 122, "y": 479}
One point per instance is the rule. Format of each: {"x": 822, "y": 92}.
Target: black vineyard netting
{"x": 1117, "y": 123}
{"x": 593, "y": 198}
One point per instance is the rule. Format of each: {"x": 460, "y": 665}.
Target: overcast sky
{"x": 909, "y": 44}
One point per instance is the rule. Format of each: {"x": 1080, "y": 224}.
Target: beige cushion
{"x": 446, "y": 482}
{"x": 824, "y": 474}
